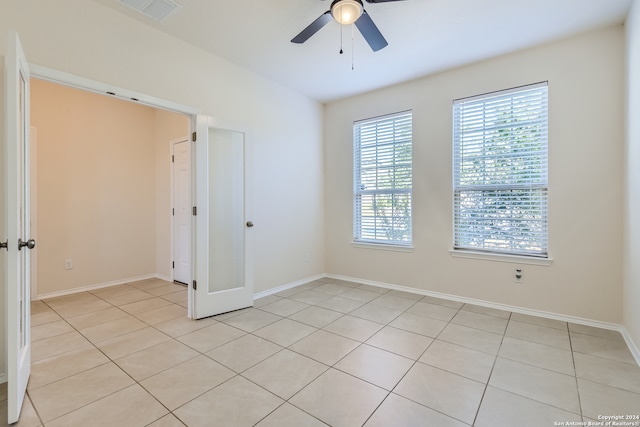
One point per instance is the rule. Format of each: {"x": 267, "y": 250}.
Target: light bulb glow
{"x": 346, "y": 12}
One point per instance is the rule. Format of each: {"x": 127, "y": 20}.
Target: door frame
{"x": 172, "y": 242}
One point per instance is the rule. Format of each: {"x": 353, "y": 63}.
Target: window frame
{"x": 538, "y": 180}
{"x": 402, "y": 194}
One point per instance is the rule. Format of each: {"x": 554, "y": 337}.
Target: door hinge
{"x": 194, "y": 136}
{"x": 173, "y": 264}
{"x": 5, "y": 245}
{"x": 173, "y": 159}
{"x": 173, "y": 211}
{"x": 195, "y": 211}
{"x": 195, "y": 285}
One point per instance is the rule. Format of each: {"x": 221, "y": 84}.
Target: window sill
{"x": 382, "y": 247}
{"x": 517, "y": 259}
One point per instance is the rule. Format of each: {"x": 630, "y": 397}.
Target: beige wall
{"x": 632, "y": 155}
{"x": 586, "y": 143}
{"x": 103, "y": 196}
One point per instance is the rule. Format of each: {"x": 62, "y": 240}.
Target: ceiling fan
{"x": 348, "y": 12}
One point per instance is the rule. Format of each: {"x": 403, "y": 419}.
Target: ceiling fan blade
{"x": 370, "y": 32}
{"x": 313, "y": 28}
{"x": 380, "y": 1}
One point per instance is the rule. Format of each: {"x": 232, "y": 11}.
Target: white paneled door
{"x": 17, "y": 224}
{"x": 182, "y": 213}
{"x": 223, "y": 274}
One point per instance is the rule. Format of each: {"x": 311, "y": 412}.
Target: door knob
{"x": 249, "y": 224}
{"x": 5, "y": 245}
{"x": 30, "y": 244}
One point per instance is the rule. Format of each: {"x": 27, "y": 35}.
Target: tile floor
{"x": 326, "y": 353}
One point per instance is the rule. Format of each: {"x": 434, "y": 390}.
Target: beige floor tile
{"x": 340, "y": 304}
{"x": 404, "y": 294}
{"x": 484, "y": 322}
{"x": 114, "y": 291}
{"x": 353, "y": 328}
{"x": 419, "y": 324}
{"x": 39, "y": 307}
{"x": 84, "y": 321}
{"x": 69, "y": 394}
{"x": 285, "y": 373}
{"x": 168, "y": 420}
{"x": 599, "y": 399}
{"x": 130, "y": 343}
{"x": 145, "y": 305}
{"x": 148, "y": 284}
{"x": 540, "y": 355}
{"x": 310, "y": 297}
{"x": 456, "y": 359}
{"x": 252, "y": 319}
{"x": 442, "y": 301}
{"x": 48, "y": 330}
{"x": 487, "y": 310}
{"x": 331, "y": 289}
{"x": 28, "y": 415}
{"x": 71, "y": 300}
{"x": 79, "y": 308}
{"x": 284, "y": 307}
{"x": 339, "y": 400}
{"x": 237, "y": 403}
{"x": 135, "y": 407}
{"x": 316, "y": 316}
{"x": 210, "y": 337}
{"x": 621, "y": 375}
{"x": 399, "y": 341}
{"x": 162, "y": 314}
{"x": 50, "y": 347}
{"x": 153, "y": 360}
{"x": 361, "y": 294}
{"x": 289, "y": 416}
{"x": 369, "y": 288}
{"x": 183, "y": 325}
{"x": 596, "y": 332}
{"x": 112, "y": 329}
{"x": 539, "y": 384}
{"x": 128, "y": 298}
{"x": 244, "y": 352}
{"x": 486, "y": 342}
{"x": 169, "y": 288}
{"x": 376, "y": 366}
{"x": 501, "y": 408}
{"x": 434, "y": 311}
{"x": 388, "y": 300}
{"x": 602, "y": 347}
{"x": 180, "y": 298}
{"x": 540, "y": 321}
{"x": 325, "y": 347}
{"x": 64, "y": 365}
{"x": 288, "y": 293}
{"x": 260, "y": 302}
{"x": 448, "y": 393}
{"x": 539, "y": 334}
{"x": 376, "y": 313}
{"x": 186, "y": 381}
{"x": 398, "y": 411}
{"x": 285, "y": 332}
{"x": 46, "y": 316}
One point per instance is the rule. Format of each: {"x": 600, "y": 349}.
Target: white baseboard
{"x": 633, "y": 348}
{"x": 98, "y": 286}
{"x": 288, "y": 286}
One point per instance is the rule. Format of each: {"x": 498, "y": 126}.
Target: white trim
{"x": 287, "y": 286}
{"x": 515, "y": 309}
{"x": 97, "y": 286}
{"x": 383, "y": 246}
{"x": 518, "y": 259}
{"x": 60, "y": 77}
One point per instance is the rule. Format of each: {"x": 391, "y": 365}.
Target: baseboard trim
{"x": 288, "y": 286}
{"x": 98, "y": 286}
{"x": 633, "y": 348}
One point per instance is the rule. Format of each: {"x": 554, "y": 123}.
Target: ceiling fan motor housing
{"x": 346, "y": 12}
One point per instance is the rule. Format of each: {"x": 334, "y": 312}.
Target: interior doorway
{"x": 105, "y": 182}
{"x": 181, "y": 210}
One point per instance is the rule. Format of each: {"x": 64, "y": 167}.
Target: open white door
{"x": 17, "y": 276}
{"x": 181, "y": 194}
{"x": 223, "y": 274}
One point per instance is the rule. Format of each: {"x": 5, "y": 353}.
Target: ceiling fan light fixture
{"x": 346, "y": 12}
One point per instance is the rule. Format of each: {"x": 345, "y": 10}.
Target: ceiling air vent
{"x": 159, "y": 10}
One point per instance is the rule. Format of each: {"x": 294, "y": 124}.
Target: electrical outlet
{"x": 68, "y": 264}
{"x": 517, "y": 277}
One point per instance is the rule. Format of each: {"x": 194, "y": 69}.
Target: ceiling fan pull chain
{"x": 341, "y": 51}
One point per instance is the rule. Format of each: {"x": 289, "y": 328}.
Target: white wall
{"x": 632, "y": 193}
{"x": 86, "y": 39}
{"x": 586, "y": 141}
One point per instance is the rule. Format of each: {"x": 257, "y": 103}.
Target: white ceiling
{"x": 425, "y": 36}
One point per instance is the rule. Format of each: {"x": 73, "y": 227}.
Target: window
{"x": 500, "y": 172}
{"x": 382, "y": 179}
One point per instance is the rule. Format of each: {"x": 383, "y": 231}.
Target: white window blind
{"x": 382, "y": 179}
{"x": 500, "y": 171}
